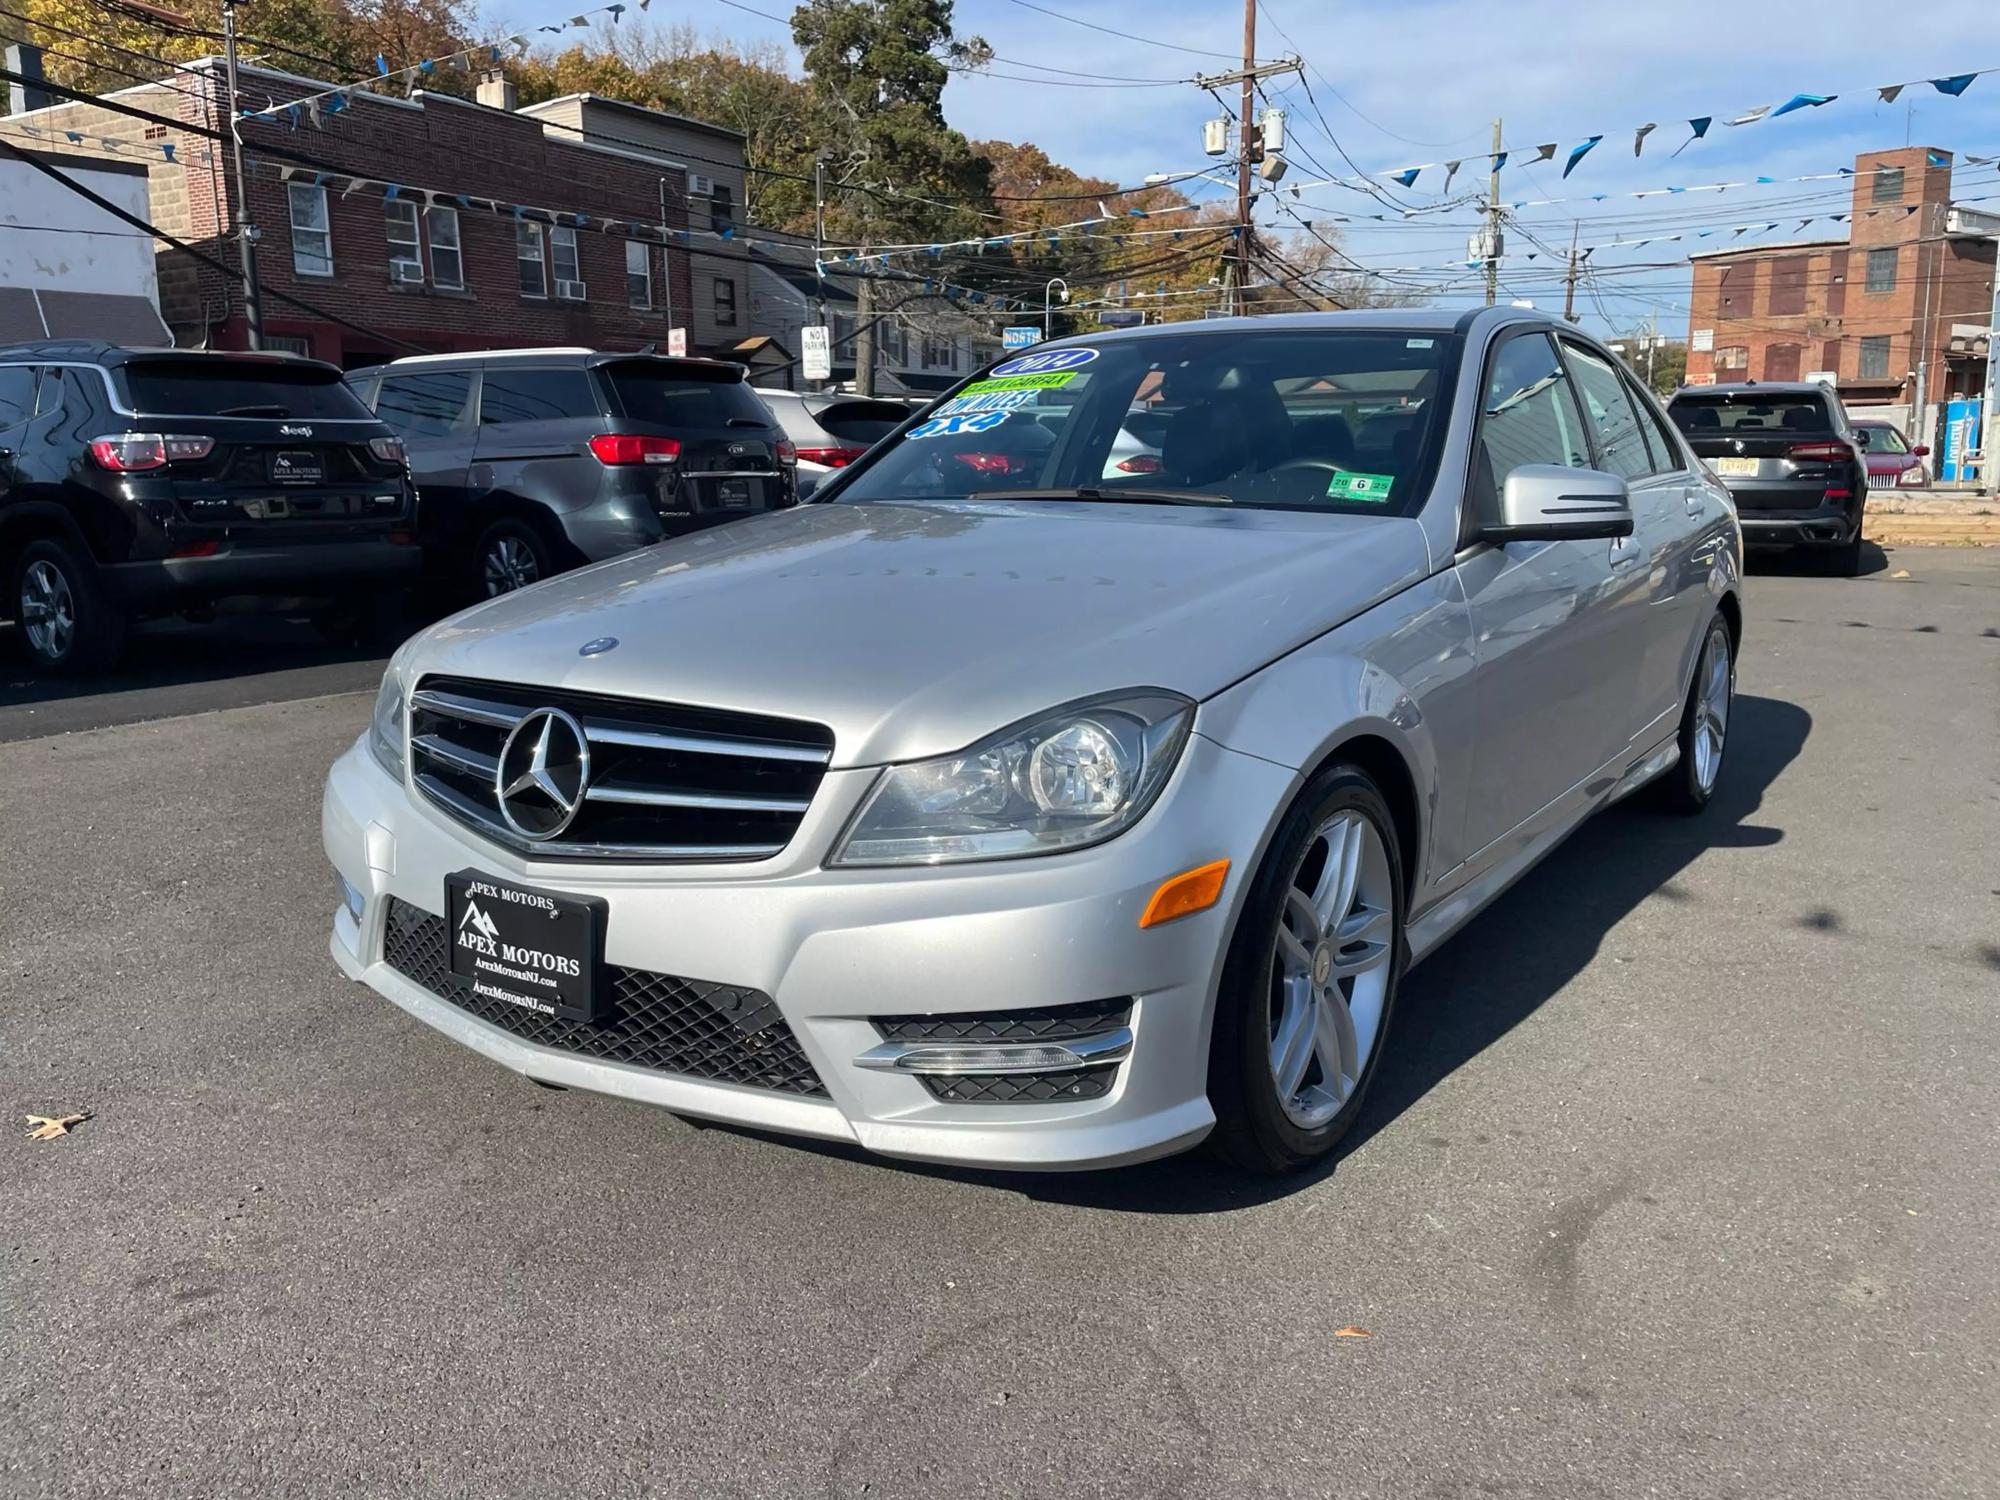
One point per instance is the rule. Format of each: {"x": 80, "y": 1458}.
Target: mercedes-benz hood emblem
{"x": 543, "y": 774}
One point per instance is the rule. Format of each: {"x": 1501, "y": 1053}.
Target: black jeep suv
{"x": 140, "y": 482}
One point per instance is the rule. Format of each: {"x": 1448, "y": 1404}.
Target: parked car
{"x": 532, "y": 461}
{"x": 1791, "y": 459}
{"x": 831, "y": 431}
{"x": 138, "y": 482}
{"x": 1038, "y": 819}
{"x": 1891, "y": 458}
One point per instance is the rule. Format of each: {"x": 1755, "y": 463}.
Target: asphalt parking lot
{"x": 1679, "y": 1179}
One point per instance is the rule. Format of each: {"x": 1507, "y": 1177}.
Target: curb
{"x": 1891, "y": 529}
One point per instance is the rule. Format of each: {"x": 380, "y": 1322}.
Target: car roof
{"x": 1756, "y": 388}
{"x": 113, "y": 356}
{"x": 1368, "y": 320}
{"x": 556, "y": 355}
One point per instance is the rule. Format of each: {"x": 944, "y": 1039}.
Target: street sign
{"x": 816, "y": 353}
{"x": 1019, "y": 338}
{"x": 677, "y": 342}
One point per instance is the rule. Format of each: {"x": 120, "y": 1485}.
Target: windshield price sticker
{"x": 987, "y": 401}
{"x": 971, "y": 421}
{"x": 1053, "y": 382}
{"x": 1373, "y": 488}
{"x": 1047, "y": 363}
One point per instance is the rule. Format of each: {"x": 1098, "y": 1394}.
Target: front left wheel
{"x": 1310, "y": 983}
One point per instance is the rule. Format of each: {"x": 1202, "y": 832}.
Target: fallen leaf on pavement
{"x": 1900, "y": 573}
{"x": 47, "y": 1129}
{"x": 1352, "y": 1332}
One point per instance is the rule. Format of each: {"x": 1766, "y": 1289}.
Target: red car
{"x": 1891, "y": 459}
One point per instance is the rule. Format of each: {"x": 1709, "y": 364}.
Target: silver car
{"x": 991, "y": 810}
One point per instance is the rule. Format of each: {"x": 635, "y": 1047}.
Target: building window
{"x": 638, "y": 275}
{"x": 284, "y": 343}
{"x": 1781, "y": 362}
{"x": 1888, "y": 185}
{"x": 843, "y": 336}
{"x": 1882, "y": 270}
{"x": 1875, "y": 357}
{"x": 1788, "y": 286}
{"x": 725, "y": 302}
{"x": 528, "y": 253}
{"x": 562, "y": 257}
{"x": 312, "y": 231}
{"x": 721, "y": 210}
{"x": 406, "y": 250}
{"x": 1732, "y": 357}
{"x": 937, "y": 353}
{"x": 447, "y": 259}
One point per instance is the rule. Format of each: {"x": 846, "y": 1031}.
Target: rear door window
{"x": 239, "y": 388}
{"x": 684, "y": 397}
{"x": 862, "y": 422}
{"x": 432, "y": 404}
{"x": 511, "y": 395}
{"x": 17, "y": 394}
{"x": 1621, "y": 445}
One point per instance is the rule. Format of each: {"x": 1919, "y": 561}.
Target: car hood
{"x": 1890, "y": 463}
{"x": 915, "y": 629}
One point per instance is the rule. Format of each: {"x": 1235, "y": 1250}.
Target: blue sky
{"x": 1421, "y": 81}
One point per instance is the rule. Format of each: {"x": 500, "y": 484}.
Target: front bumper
{"x": 834, "y": 948}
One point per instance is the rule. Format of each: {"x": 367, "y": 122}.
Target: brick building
{"x": 432, "y": 221}
{"x": 1896, "y": 312}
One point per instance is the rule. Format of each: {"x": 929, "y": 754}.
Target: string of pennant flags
{"x": 312, "y": 108}
{"x": 1952, "y": 86}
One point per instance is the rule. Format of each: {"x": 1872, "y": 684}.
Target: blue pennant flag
{"x": 463, "y": 200}
{"x": 1579, "y": 154}
{"x": 582, "y": 221}
{"x": 1409, "y": 178}
{"x": 1499, "y": 160}
{"x": 1845, "y": 171}
{"x": 292, "y": 112}
{"x": 1699, "y": 125}
{"x": 1954, "y": 86}
{"x": 167, "y": 150}
{"x": 426, "y": 67}
{"x": 1936, "y": 159}
{"x": 75, "y": 137}
{"x": 1599, "y": 197}
{"x": 1802, "y": 101}
{"x": 1677, "y": 190}
{"x": 336, "y": 103}
{"x": 1767, "y": 179}
{"x": 391, "y": 192}
{"x": 382, "y": 65}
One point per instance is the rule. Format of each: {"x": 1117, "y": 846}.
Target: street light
{"x": 1054, "y": 282}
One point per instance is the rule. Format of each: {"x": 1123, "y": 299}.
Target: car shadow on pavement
{"x": 1488, "y": 978}
{"x": 1803, "y": 562}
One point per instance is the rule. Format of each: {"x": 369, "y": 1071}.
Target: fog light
{"x": 350, "y": 896}
{"x": 982, "y": 1057}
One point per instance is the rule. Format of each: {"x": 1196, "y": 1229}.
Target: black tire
{"x": 376, "y": 621}
{"x": 1843, "y": 561}
{"x": 505, "y": 552}
{"x": 1681, "y": 788}
{"x": 88, "y": 634}
{"x": 1252, "y": 1130}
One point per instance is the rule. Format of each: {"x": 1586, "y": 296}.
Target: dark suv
{"x": 1793, "y": 463}
{"x": 141, "y": 482}
{"x": 531, "y": 461}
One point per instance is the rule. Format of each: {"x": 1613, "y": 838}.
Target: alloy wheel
{"x": 1716, "y": 686}
{"x": 48, "y": 609}
{"x": 509, "y": 564}
{"x": 1331, "y": 969}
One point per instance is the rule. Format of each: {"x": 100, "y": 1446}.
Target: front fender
{"x": 1400, "y": 674}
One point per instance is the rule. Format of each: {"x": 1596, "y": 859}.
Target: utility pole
{"x": 1493, "y": 220}
{"x": 1250, "y": 146}
{"x": 1569, "y": 281}
{"x": 864, "y": 335}
{"x": 246, "y": 232}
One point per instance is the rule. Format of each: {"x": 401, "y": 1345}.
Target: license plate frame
{"x": 1735, "y": 468}
{"x": 540, "y": 951}
{"x": 297, "y": 468}
{"x": 733, "y": 494}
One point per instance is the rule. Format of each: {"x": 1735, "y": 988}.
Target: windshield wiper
{"x": 1116, "y": 497}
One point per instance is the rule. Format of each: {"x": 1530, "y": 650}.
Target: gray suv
{"x": 532, "y": 461}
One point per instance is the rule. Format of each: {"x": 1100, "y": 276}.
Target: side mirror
{"x": 1922, "y": 450}
{"x": 1550, "y": 503}
{"x": 1861, "y": 436}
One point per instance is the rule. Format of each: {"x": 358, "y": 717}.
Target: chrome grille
{"x": 667, "y": 782}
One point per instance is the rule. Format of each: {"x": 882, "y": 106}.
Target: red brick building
{"x": 430, "y": 221}
{"x": 1885, "y": 310}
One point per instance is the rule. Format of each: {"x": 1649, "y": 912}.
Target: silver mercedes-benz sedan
{"x": 1003, "y": 807}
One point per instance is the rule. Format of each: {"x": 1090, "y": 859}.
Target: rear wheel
{"x": 1843, "y": 561}
{"x": 1704, "y": 723}
{"x": 1311, "y": 979}
{"x": 509, "y": 555}
{"x": 67, "y": 623}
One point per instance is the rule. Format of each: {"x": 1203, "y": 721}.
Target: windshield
{"x": 1882, "y": 438}
{"x": 1739, "y": 412}
{"x": 1332, "y": 420}
{"x": 245, "y": 388}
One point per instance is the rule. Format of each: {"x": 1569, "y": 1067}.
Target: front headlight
{"x": 385, "y": 730}
{"x": 1076, "y": 776}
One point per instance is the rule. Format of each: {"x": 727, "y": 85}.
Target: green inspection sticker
{"x": 1373, "y": 488}
{"x": 1051, "y": 382}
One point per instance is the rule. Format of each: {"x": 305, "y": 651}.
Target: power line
{"x": 1126, "y": 35}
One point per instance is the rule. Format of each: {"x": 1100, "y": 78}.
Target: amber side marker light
{"x": 1186, "y": 893}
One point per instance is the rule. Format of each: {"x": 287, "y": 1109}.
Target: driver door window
{"x": 1528, "y": 415}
